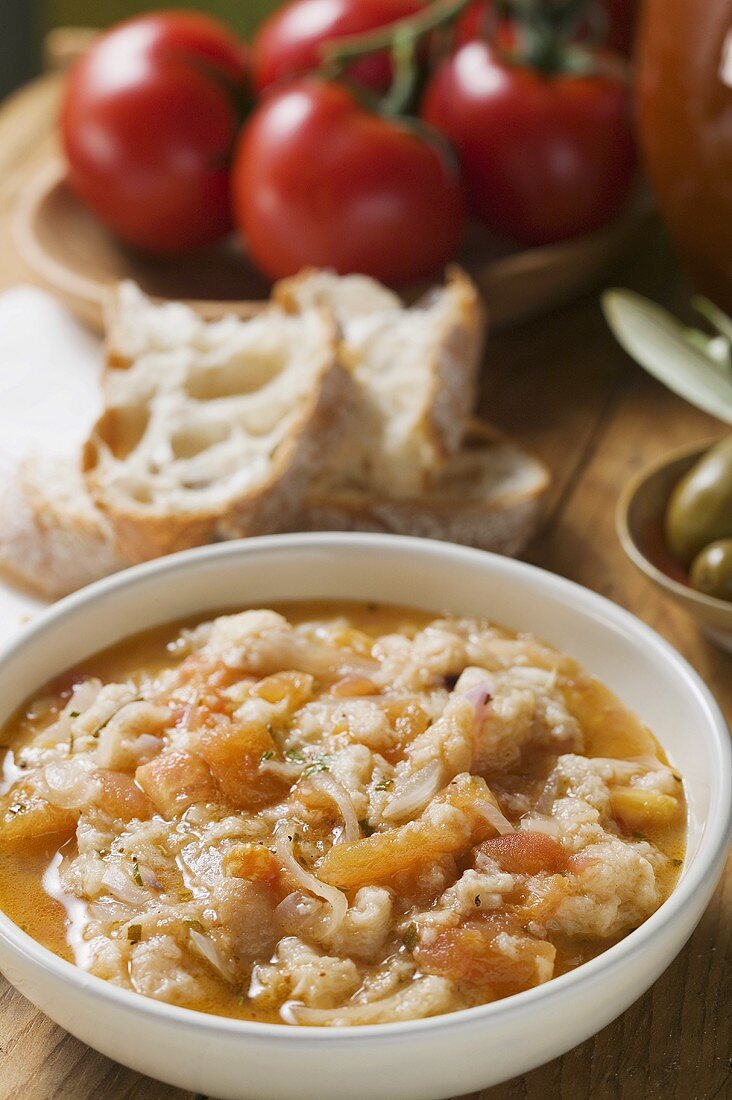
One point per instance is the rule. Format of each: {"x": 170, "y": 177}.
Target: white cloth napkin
{"x": 49, "y": 396}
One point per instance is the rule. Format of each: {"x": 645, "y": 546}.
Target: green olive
{"x": 700, "y": 508}
{"x": 711, "y": 570}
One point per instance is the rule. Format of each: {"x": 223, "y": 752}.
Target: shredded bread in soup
{"x": 333, "y": 814}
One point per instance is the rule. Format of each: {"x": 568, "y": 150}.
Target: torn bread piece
{"x": 489, "y": 495}
{"x": 416, "y": 371}
{"x": 52, "y": 538}
{"x": 211, "y": 430}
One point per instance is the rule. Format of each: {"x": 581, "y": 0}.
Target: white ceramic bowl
{"x": 425, "y": 1059}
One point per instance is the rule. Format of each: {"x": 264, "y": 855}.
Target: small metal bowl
{"x": 639, "y": 523}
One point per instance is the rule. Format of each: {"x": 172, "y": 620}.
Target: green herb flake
{"x": 134, "y": 933}
{"x": 136, "y": 871}
{"x": 196, "y": 925}
{"x": 295, "y": 756}
{"x": 74, "y": 713}
{"x": 267, "y": 755}
{"x": 410, "y": 937}
{"x": 318, "y": 765}
{"x": 185, "y": 895}
{"x": 384, "y": 785}
{"x": 477, "y": 901}
{"x": 98, "y": 730}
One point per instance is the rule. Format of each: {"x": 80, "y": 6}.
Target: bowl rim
{"x": 628, "y": 539}
{"x": 694, "y": 875}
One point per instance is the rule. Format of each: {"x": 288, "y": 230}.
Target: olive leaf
{"x": 719, "y": 320}
{"x": 694, "y": 365}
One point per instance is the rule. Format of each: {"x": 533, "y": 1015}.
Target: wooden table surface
{"x": 562, "y": 387}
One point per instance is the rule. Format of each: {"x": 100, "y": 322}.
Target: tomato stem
{"x": 547, "y": 27}
{"x": 412, "y": 28}
{"x": 406, "y": 75}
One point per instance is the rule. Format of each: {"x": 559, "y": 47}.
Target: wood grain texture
{"x": 563, "y": 388}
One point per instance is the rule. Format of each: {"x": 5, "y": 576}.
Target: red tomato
{"x": 475, "y": 21}
{"x": 478, "y": 21}
{"x": 148, "y": 123}
{"x": 543, "y": 157}
{"x": 320, "y": 180}
{"x": 289, "y": 41}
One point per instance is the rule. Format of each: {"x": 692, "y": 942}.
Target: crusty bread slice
{"x": 211, "y": 430}
{"x": 416, "y": 370}
{"x": 488, "y": 495}
{"x": 52, "y": 538}
{"x": 225, "y": 429}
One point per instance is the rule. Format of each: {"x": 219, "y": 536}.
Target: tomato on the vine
{"x": 544, "y": 157}
{"x": 289, "y": 42}
{"x": 148, "y": 123}
{"x": 321, "y": 180}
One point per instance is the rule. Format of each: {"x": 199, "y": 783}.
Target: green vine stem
{"x": 413, "y": 27}
{"x": 547, "y": 27}
{"x": 406, "y": 76}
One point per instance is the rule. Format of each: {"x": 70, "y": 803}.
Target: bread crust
{"x": 52, "y": 538}
{"x": 503, "y": 520}
{"x": 454, "y": 368}
{"x": 444, "y": 380}
{"x": 142, "y": 531}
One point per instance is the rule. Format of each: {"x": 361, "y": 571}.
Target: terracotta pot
{"x": 685, "y": 121}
